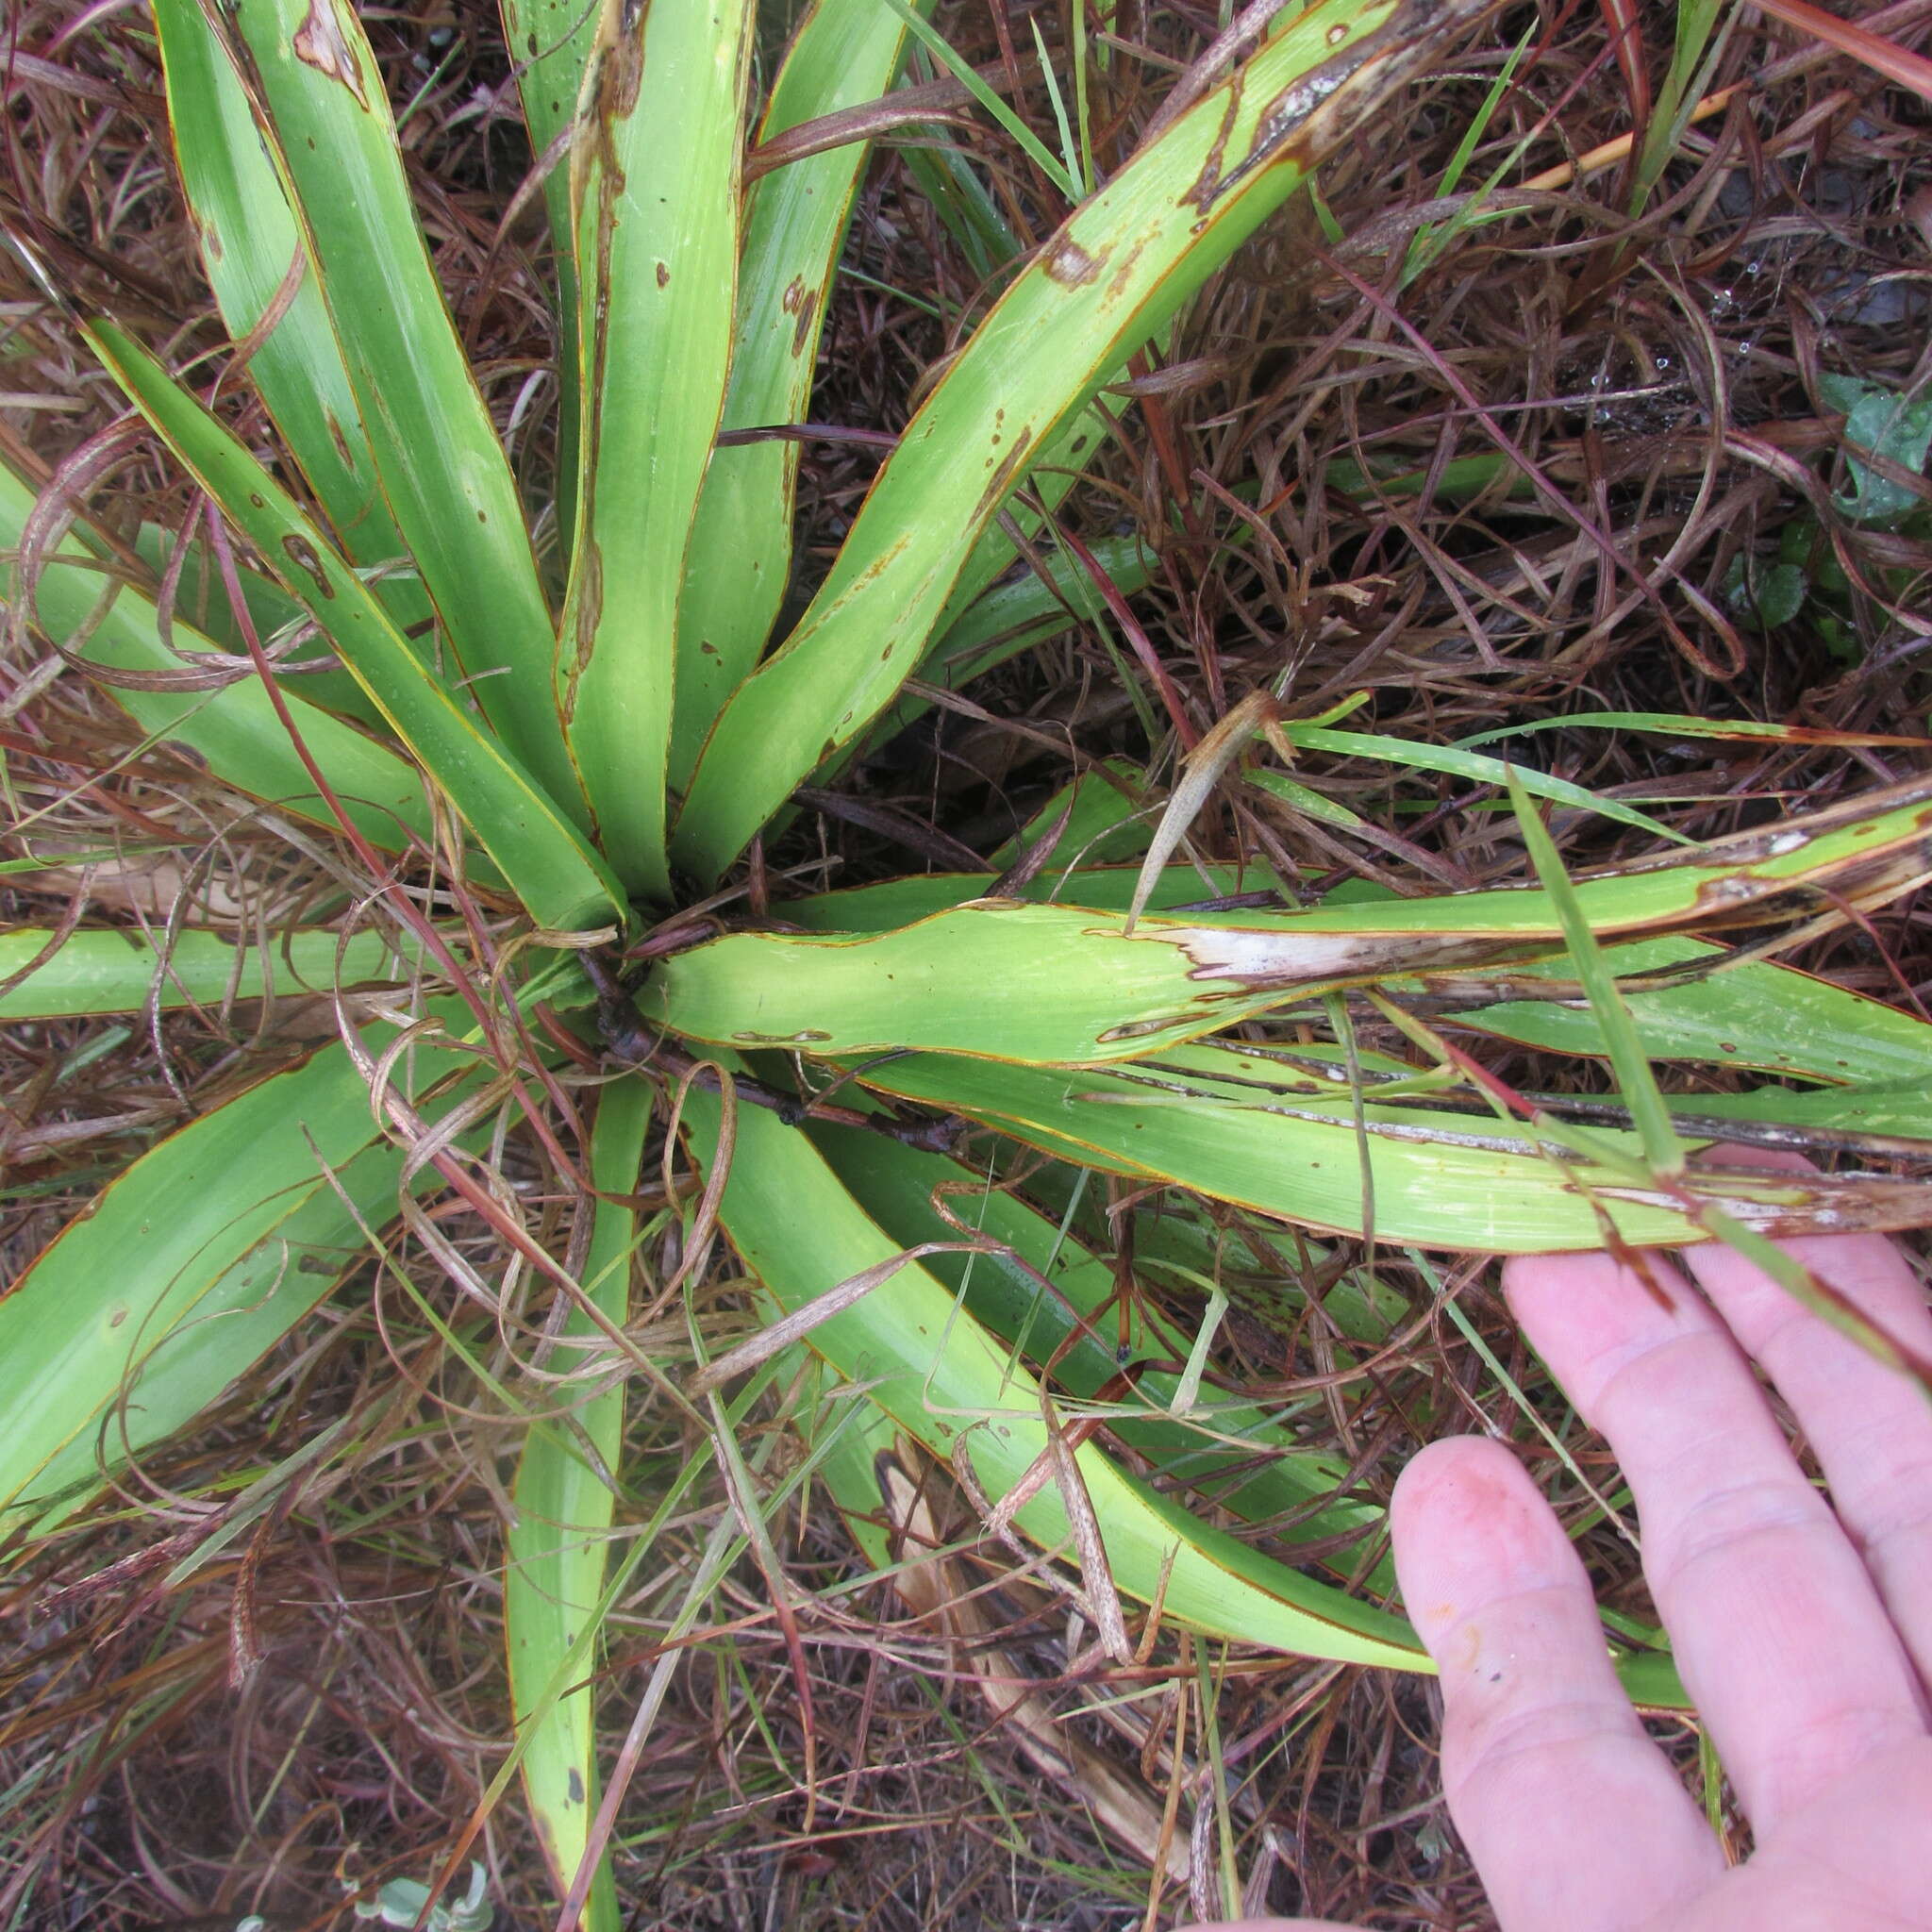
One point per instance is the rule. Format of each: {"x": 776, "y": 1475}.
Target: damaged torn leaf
{"x": 1068, "y": 984}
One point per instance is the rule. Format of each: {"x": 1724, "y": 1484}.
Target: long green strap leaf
{"x": 1069, "y": 984}
{"x": 1759, "y": 1014}
{"x": 1206, "y": 1119}
{"x": 317, "y": 90}
{"x": 249, "y": 243}
{"x": 893, "y": 903}
{"x": 562, "y": 883}
{"x": 1253, "y": 1465}
{"x": 554, "y": 1577}
{"x": 118, "y": 970}
{"x": 550, "y": 41}
{"x": 1108, "y": 279}
{"x": 740, "y": 560}
{"x": 200, "y": 598}
{"x": 950, "y": 1384}
{"x": 654, "y": 189}
{"x": 191, "y": 1265}
{"x": 232, "y": 732}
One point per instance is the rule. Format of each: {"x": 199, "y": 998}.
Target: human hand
{"x": 1804, "y": 1632}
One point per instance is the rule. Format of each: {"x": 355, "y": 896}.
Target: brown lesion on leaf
{"x": 303, "y": 555}
{"x": 801, "y": 335}
{"x": 1208, "y": 184}
{"x": 341, "y": 442}
{"x": 322, "y": 44}
{"x": 1071, "y": 265}
{"x": 586, "y": 600}
{"x": 1004, "y": 478}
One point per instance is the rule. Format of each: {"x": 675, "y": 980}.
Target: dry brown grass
{"x": 1660, "y": 374}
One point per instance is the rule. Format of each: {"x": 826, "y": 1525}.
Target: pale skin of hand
{"x": 1802, "y": 1628}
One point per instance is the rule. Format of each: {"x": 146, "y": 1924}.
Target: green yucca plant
{"x": 601, "y": 760}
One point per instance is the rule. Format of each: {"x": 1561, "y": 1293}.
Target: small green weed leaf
{"x": 1765, "y": 594}
{"x": 1882, "y": 420}
{"x": 401, "y": 1903}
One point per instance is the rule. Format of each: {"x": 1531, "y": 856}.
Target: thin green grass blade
{"x": 563, "y": 884}
{"x": 1303, "y": 798}
{"x": 1461, "y": 763}
{"x": 1067, "y": 985}
{"x": 1074, "y": 174}
{"x": 1429, "y": 244}
{"x": 249, "y": 241}
{"x": 845, "y": 52}
{"x": 554, "y": 1576}
{"x": 313, "y": 81}
{"x": 654, "y": 191}
{"x": 1684, "y": 724}
{"x": 846, "y": 1439}
{"x": 1207, "y": 1119}
{"x": 119, "y": 971}
{"x": 961, "y": 70}
{"x": 1662, "y": 1150}
{"x": 967, "y": 210}
{"x": 232, "y": 733}
{"x": 1111, "y": 276}
{"x": 950, "y": 1384}
{"x": 191, "y": 1265}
